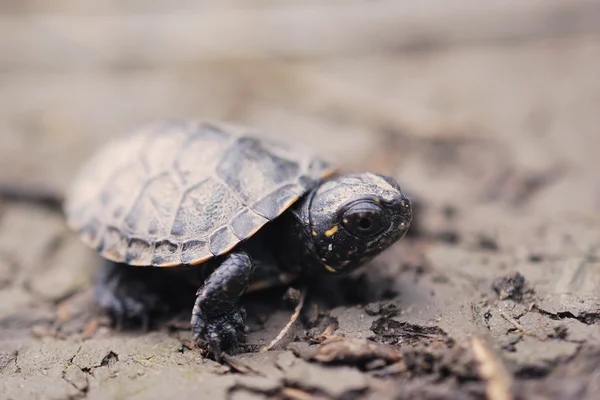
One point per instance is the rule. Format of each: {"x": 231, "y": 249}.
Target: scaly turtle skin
{"x": 251, "y": 212}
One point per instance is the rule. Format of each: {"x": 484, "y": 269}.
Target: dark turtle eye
{"x": 365, "y": 219}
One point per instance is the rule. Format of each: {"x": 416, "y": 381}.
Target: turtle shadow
{"x": 353, "y": 290}
{"x": 324, "y": 294}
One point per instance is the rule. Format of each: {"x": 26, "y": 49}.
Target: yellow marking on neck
{"x": 314, "y": 233}
{"x": 330, "y": 269}
{"x": 331, "y": 231}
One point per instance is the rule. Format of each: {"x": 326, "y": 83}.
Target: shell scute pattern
{"x": 181, "y": 193}
{"x": 246, "y": 223}
{"x": 114, "y": 244}
{"x": 116, "y": 196}
{"x": 200, "y": 153}
{"x": 161, "y": 147}
{"x": 252, "y": 170}
{"x": 140, "y": 252}
{"x": 92, "y": 232}
{"x": 213, "y": 200}
{"x": 166, "y": 253}
{"x": 222, "y": 240}
{"x": 195, "y": 252}
{"x": 271, "y": 205}
{"x": 152, "y": 213}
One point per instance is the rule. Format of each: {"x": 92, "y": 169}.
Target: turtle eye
{"x": 365, "y": 219}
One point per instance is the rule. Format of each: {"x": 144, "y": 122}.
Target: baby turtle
{"x": 234, "y": 212}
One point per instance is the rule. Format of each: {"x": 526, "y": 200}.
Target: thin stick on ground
{"x": 519, "y": 327}
{"x": 492, "y": 370}
{"x": 513, "y": 321}
{"x": 289, "y": 325}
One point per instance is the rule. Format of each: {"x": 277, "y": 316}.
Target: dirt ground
{"x": 487, "y": 115}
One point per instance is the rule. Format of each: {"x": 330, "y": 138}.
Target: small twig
{"x": 239, "y": 365}
{"x": 492, "y": 370}
{"x": 519, "y": 327}
{"x": 297, "y": 394}
{"x": 287, "y": 327}
{"x": 512, "y": 321}
{"x": 90, "y": 328}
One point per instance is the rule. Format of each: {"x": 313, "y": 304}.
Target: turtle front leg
{"x": 217, "y": 318}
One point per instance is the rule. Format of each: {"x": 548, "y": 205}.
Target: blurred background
{"x": 465, "y": 102}
{"x": 487, "y": 113}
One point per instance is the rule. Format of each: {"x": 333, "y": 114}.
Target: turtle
{"x": 232, "y": 211}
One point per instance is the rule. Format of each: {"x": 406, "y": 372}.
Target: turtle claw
{"x": 224, "y": 332}
{"x": 217, "y": 318}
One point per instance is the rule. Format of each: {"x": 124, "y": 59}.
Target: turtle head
{"x": 350, "y": 219}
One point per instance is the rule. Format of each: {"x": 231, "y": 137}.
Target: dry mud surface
{"x": 494, "y": 294}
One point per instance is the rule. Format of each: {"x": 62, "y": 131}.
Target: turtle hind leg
{"x": 217, "y": 317}
{"x": 133, "y": 293}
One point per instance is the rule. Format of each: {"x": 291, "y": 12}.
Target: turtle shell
{"x": 183, "y": 192}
